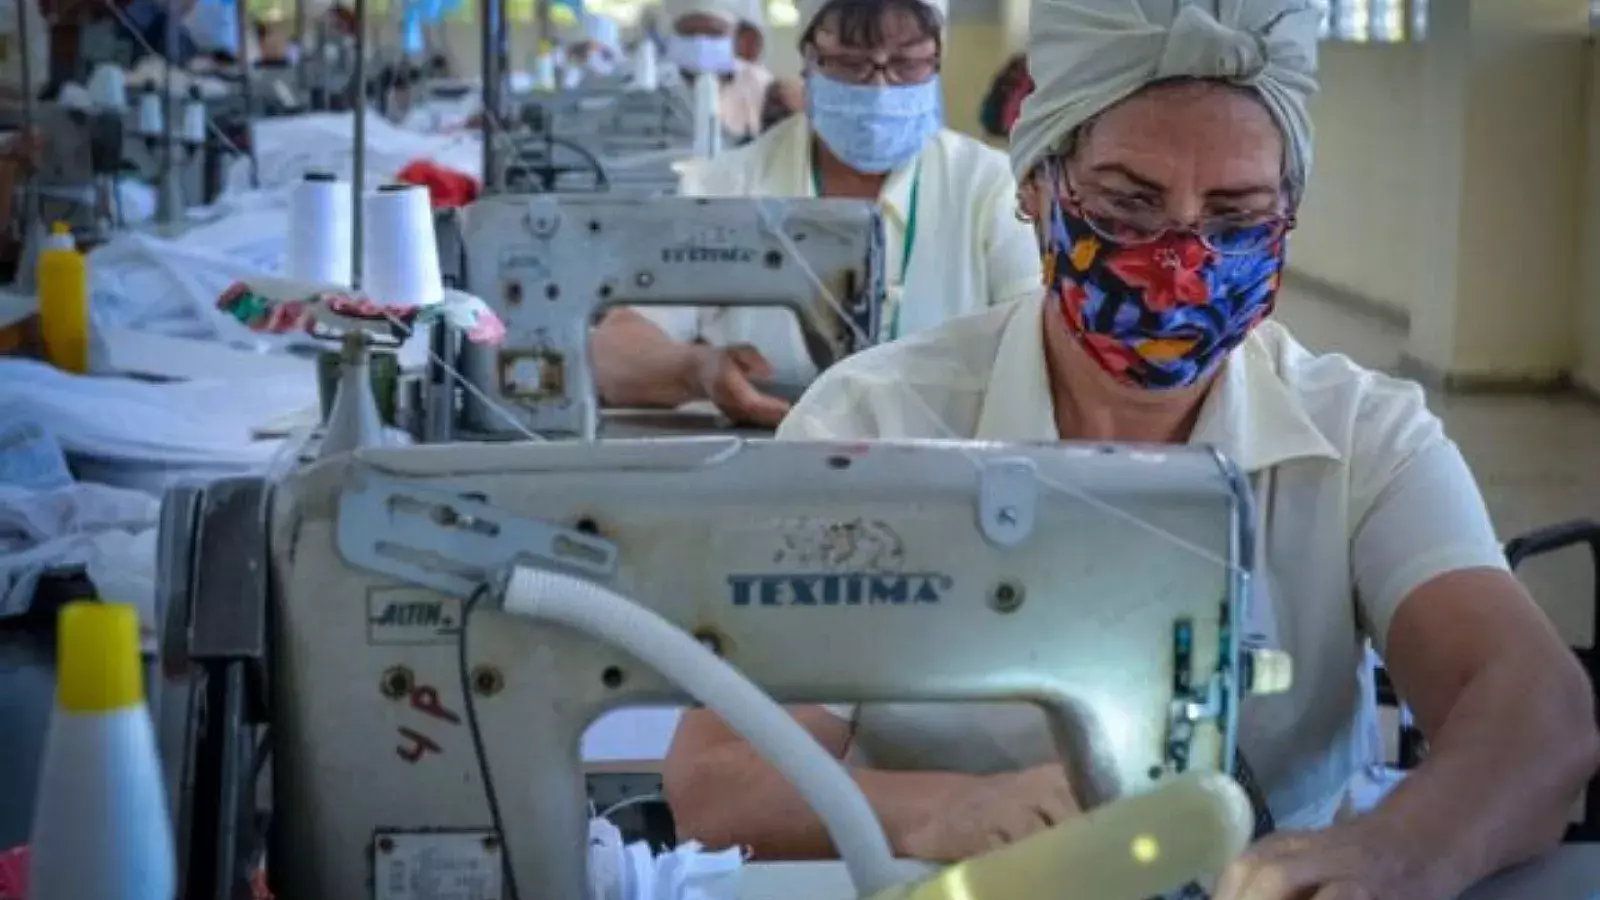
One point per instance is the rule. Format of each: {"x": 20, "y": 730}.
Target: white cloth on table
{"x": 206, "y": 423}
{"x": 112, "y": 532}
{"x": 619, "y": 871}
{"x": 46, "y": 520}
{"x": 170, "y": 285}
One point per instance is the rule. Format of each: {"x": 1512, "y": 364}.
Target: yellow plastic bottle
{"x": 63, "y": 278}
{"x": 101, "y": 828}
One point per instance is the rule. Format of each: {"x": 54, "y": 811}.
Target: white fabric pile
{"x": 632, "y": 872}
{"x": 148, "y": 436}
{"x": 110, "y": 531}
{"x": 170, "y": 285}
{"x": 46, "y": 519}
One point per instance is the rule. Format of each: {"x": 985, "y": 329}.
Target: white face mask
{"x": 702, "y": 53}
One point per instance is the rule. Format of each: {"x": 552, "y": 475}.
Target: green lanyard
{"x": 905, "y": 249}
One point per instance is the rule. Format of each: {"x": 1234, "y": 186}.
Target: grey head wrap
{"x": 1086, "y": 55}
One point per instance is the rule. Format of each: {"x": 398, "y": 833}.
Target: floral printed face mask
{"x": 1162, "y": 313}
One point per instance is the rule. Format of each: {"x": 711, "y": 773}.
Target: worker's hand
{"x": 725, "y": 375}
{"x": 992, "y": 811}
{"x": 1345, "y": 862}
{"x": 24, "y": 148}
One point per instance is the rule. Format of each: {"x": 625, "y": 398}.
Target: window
{"x": 1377, "y": 21}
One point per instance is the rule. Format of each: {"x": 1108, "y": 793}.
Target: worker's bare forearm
{"x": 732, "y": 797}
{"x": 637, "y": 364}
{"x": 1499, "y": 780}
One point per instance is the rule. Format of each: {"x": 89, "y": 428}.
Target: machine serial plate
{"x": 436, "y": 865}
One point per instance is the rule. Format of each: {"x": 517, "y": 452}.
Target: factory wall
{"x": 1362, "y": 211}
{"x": 1588, "y": 370}
{"x": 1450, "y": 190}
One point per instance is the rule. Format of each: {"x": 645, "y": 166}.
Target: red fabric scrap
{"x": 446, "y": 187}
{"x": 14, "y": 874}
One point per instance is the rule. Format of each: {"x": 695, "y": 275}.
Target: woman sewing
{"x": 873, "y": 129}
{"x": 1161, "y": 159}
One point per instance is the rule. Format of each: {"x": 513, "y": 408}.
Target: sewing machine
{"x": 83, "y": 151}
{"x": 595, "y": 139}
{"x": 613, "y": 121}
{"x": 87, "y": 151}
{"x": 357, "y": 608}
{"x": 550, "y": 264}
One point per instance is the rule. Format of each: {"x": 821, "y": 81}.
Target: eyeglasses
{"x": 1129, "y": 222}
{"x": 862, "y": 69}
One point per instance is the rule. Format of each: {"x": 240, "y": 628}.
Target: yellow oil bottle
{"x": 63, "y": 280}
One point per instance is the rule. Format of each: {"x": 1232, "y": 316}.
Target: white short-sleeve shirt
{"x": 969, "y": 250}
{"x": 1361, "y": 499}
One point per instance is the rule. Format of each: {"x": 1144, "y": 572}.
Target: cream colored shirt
{"x": 741, "y": 98}
{"x": 1361, "y": 498}
{"x": 970, "y": 251}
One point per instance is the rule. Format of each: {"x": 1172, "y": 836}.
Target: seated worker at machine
{"x": 700, "y": 38}
{"x": 750, "y": 38}
{"x": 953, "y": 243}
{"x": 598, "y": 51}
{"x": 1162, "y": 158}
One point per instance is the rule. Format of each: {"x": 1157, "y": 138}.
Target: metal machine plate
{"x": 436, "y": 865}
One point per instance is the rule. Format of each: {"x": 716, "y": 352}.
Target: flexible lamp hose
{"x": 821, "y": 780}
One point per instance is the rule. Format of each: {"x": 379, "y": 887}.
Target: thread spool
{"x": 646, "y": 71}
{"x": 400, "y": 255}
{"x": 319, "y": 231}
{"x": 707, "y": 125}
{"x": 108, "y": 87}
{"x": 194, "y": 121}
{"x": 151, "y": 118}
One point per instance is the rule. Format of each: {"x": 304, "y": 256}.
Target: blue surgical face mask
{"x": 874, "y": 128}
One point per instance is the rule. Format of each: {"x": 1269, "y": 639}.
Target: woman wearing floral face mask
{"x": 872, "y": 130}
{"x": 1162, "y": 157}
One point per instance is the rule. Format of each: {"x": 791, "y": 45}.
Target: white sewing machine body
{"x": 550, "y": 264}
{"x": 604, "y": 136}
{"x": 825, "y": 573}
{"x": 610, "y": 117}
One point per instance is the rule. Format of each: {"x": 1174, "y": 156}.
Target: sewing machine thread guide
{"x": 449, "y": 542}
{"x": 1008, "y": 492}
